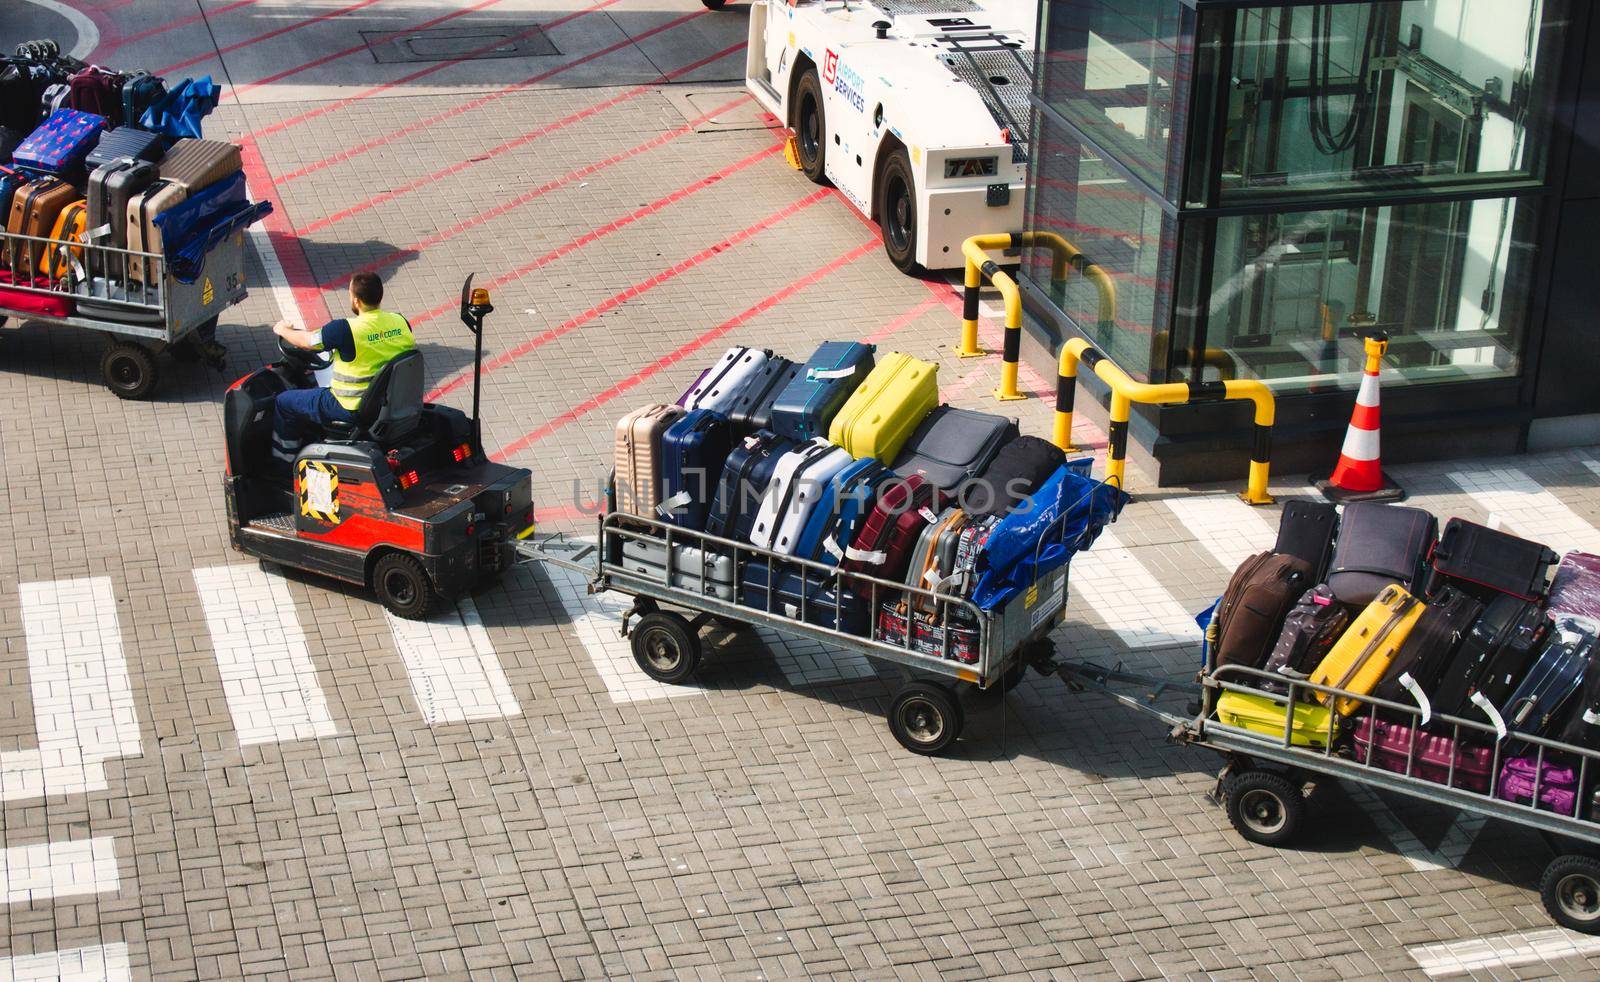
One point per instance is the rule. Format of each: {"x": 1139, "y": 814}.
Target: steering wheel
{"x": 301, "y": 359}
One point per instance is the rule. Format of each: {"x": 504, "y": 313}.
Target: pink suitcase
{"x": 1576, "y": 588}
{"x": 1430, "y": 757}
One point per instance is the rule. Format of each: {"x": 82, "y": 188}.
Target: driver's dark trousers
{"x": 300, "y": 416}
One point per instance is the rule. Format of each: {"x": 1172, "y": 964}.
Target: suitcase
{"x": 1433, "y": 758}
{"x": 752, "y": 405}
{"x": 1493, "y": 657}
{"x": 40, "y": 304}
{"x": 35, "y": 207}
{"x": 140, "y": 91}
{"x": 693, "y": 452}
{"x": 97, "y": 90}
{"x": 718, "y": 385}
{"x": 637, "y": 456}
{"x": 9, "y": 140}
{"x": 845, "y": 504}
{"x": 953, "y": 640}
{"x": 746, "y": 478}
{"x": 61, "y": 142}
{"x": 1361, "y": 656}
{"x": 55, "y": 97}
{"x": 9, "y": 182}
{"x": 1020, "y": 467}
{"x": 69, "y": 231}
{"x": 1580, "y": 723}
{"x": 1254, "y": 607}
{"x": 1309, "y": 631}
{"x": 125, "y": 141}
{"x": 1575, "y": 588}
{"x": 1485, "y": 561}
{"x": 19, "y": 99}
{"x": 952, "y": 446}
{"x": 936, "y": 569}
{"x": 882, "y": 549}
{"x": 1265, "y": 715}
{"x": 1429, "y": 647}
{"x": 94, "y": 302}
{"x": 1306, "y": 531}
{"x": 196, "y": 164}
{"x": 796, "y": 487}
{"x": 111, "y": 187}
{"x": 691, "y": 569}
{"x": 805, "y": 407}
{"x": 883, "y": 412}
{"x": 1557, "y": 783}
{"x": 824, "y": 605}
{"x": 141, "y": 230}
{"x": 1553, "y": 678}
{"x": 1379, "y": 545}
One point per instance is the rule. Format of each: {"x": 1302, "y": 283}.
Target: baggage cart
{"x": 672, "y": 605}
{"x": 1263, "y": 781}
{"x": 143, "y": 316}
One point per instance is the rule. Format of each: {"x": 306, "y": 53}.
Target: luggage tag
{"x": 927, "y": 513}
{"x": 1483, "y": 703}
{"x": 814, "y": 374}
{"x": 99, "y": 232}
{"x": 832, "y": 548}
{"x": 1421, "y": 697}
{"x": 864, "y": 556}
{"x": 1591, "y": 717}
{"x": 674, "y": 503}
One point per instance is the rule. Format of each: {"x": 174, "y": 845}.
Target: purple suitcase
{"x": 1431, "y": 758}
{"x": 1576, "y": 588}
{"x": 1558, "y": 786}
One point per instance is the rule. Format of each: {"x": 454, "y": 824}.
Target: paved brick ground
{"x": 210, "y": 770}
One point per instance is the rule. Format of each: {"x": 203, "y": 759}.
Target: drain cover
{"x": 459, "y": 43}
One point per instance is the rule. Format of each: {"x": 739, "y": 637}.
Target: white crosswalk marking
{"x": 47, "y": 870}
{"x": 595, "y": 622}
{"x": 454, "y": 672}
{"x": 94, "y": 963}
{"x": 1128, "y": 598}
{"x": 1502, "y": 951}
{"x": 267, "y": 674}
{"x": 1229, "y": 529}
{"x": 78, "y": 678}
{"x": 1527, "y": 509}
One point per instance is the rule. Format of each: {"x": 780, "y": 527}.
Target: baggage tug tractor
{"x": 916, "y": 110}
{"x": 402, "y": 501}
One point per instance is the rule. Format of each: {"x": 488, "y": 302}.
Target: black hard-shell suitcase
{"x": 1493, "y": 657}
{"x": 110, "y": 188}
{"x": 952, "y": 446}
{"x": 1306, "y": 532}
{"x": 1310, "y": 628}
{"x": 752, "y": 406}
{"x": 1014, "y": 474}
{"x": 1485, "y": 561}
{"x": 125, "y": 141}
{"x": 1553, "y": 678}
{"x": 9, "y": 138}
{"x": 744, "y": 482}
{"x": 1379, "y": 545}
{"x": 1429, "y": 647}
{"x": 1580, "y": 724}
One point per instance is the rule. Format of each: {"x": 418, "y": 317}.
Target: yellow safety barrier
{"x": 1125, "y": 392}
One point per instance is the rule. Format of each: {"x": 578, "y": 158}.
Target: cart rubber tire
{"x": 925, "y": 717}
{"x": 1264, "y": 807}
{"x": 1570, "y": 889}
{"x": 811, "y": 127}
{"x": 896, "y": 208}
{"x": 129, "y": 370}
{"x": 403, "y": 586}
{"x": 665, "y": 648}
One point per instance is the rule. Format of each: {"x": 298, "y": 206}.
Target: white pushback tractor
{"x": 916, "y": 110}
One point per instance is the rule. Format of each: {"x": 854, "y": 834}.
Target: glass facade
{"x": 1266, "y": 183}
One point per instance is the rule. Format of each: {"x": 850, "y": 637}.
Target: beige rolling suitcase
{"x": 638, "y": 458}
{"x": 189, "y": 166}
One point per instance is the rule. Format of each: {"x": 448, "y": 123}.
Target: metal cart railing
{"x": 1262, "y": 785}
{"x": 127, "y": 294}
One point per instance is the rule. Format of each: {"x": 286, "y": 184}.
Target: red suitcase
{"x": 883, "y": 546}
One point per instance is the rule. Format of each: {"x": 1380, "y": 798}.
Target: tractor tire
{"x": 811, "y": 127}
{"x": 403, "y": 586}
{"x": 896, "y": 209}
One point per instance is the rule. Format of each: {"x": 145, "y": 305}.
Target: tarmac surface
{"x": 215, "y": 769}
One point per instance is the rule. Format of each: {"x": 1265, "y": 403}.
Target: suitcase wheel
{"x": 665, "y": 648}
{"x": 1570, "y": 889}
{"x": 1264, "y": 807}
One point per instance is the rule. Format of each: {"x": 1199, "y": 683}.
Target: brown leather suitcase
{"x": 143, "y": 235}
{"x": 638, "y": 458}
{"x": 34, "y": 210}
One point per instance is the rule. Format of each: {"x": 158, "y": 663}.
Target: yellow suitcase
{"x": 1263, "y": 714}
{"x": 885, "y": 409}
{"x": 1361, "y": 656}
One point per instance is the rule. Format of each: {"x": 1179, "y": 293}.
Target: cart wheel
{"x": 925, "y": 717}
{"x": 1570, "y": 888}
{"x": 402, "y": 585}
{"x": 1264, "y": 807}
{"x": 665, "y": 648}
{"x": 129, "y": 370}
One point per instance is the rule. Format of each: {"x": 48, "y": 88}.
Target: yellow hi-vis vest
{"x": 379, "y": 337}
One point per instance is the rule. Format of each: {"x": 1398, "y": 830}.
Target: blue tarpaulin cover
{"x": 1061, "y": 519}
{"x": 179, "y": 112}
{"x": 191, "y": 229}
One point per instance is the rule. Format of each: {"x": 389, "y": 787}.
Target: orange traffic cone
{"x": 1358, "y": 476}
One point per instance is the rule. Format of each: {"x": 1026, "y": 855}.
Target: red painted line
{"x": 239, "y": 91}
{"x": 439, "y": 66}
{"x": 901, "y": 321}
{"x": 509, "y": 145}
{"x": 328, "y": 15}
{"x": 180, "y": 22}
{"x": 543, "y": 189}
{"x": 468, "y": 106}
{"x": 667, "y": 361}
{"x": 291, "y": 254}
{"x": 618, "y": 299}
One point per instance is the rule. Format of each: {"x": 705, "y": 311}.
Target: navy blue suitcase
{"x": 749, "y": 469}
{"x": 1554, "y": 677}
{"x": 823, "y": 607}
{"x": 845, "y": 504}
{"x": 126, "y": 141}
{"x": 693, "y": 452}
{"x": 808, "y": 404}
